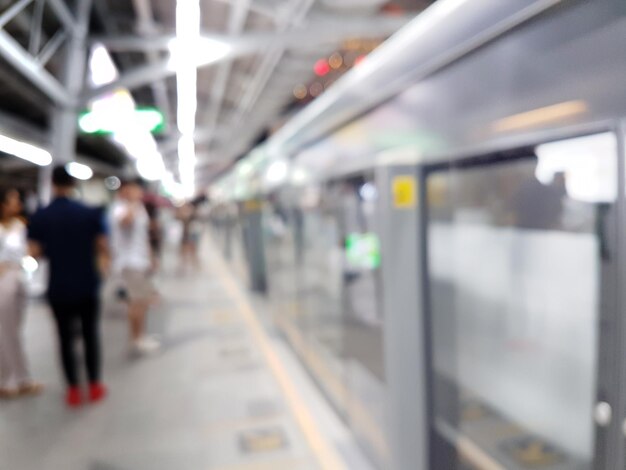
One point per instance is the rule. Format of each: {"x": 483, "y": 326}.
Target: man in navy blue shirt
{"x": 72, "y": 237}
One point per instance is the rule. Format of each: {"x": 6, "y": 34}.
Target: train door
{"x": 521, "y": 283}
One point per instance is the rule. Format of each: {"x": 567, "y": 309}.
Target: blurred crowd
{"x": 85, "y": 246}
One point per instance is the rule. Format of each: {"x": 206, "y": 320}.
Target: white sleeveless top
{"x": 13, "y": 243}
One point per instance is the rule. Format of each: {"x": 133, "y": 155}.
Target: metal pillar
{"x": 64, "y": 121}
{"x": 405, "y": 335}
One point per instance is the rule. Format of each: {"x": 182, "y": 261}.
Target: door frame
{"x": 610, "y": 440}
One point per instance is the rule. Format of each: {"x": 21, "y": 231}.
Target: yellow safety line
{"x": 477, "y": 456}
{"x": 358, "y": 411}
{"x": 324, "y": 452}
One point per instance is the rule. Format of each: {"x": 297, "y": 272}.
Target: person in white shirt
{"x": 132, "y": 260}
{"x": 15, "y": 379}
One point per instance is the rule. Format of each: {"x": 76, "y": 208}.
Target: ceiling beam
{"x": 64, "y": 14}
{"x": 201, "y": 136}
{"x": 236, "y": 23}
{"x": 14, "y": 10}
{"x": 20, "y": 129}
{"x": 243, "y": 45}
{"x": 143, "y": 9}
{"x": 298, "y": 13}
{"x": 13, "y": 53}
{"x": 257, "y": 7}
{"x": 320, "y": 31}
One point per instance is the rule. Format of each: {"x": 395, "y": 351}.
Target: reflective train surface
{"x": 442, "y": 238}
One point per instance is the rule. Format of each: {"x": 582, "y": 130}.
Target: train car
{"x": 444, "y": 238}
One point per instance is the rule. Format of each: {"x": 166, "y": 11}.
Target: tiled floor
{"x": 209, "y": 400}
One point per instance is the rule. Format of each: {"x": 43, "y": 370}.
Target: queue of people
{"x": 83, "y": 246}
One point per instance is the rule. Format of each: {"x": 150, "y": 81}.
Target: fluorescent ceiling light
{"x": 117, "y": 113}
{"x": 172, "y": 187}
{"x": 540, "y": 116}
{"x": 185, "y": 56}
{"x": 79, "y": 171}
{"x": 151, "y": 167}
{"x": 101, "y": 67}
{"x": 186, "y": 50}
{"x": 25, "y": 151}
{"x": 187, "y": 164}
{"x": 200, "y": 51}
{"x": 277, "y": 172}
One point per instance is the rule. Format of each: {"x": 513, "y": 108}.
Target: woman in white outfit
{"x": 15, "y": 379}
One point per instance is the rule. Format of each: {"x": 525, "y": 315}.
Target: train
{"x": 441, "y": 236}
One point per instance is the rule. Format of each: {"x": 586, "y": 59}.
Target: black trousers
{"x": 69, "y": 316}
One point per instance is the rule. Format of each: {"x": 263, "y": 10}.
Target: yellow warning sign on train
{"x": 252, "y": 205}
{"x": 404, "y": 191}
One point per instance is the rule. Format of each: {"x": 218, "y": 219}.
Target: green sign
{"x": 102, "y": 122}
{"x": 363, "y": 250}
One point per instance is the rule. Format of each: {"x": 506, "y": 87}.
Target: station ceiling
{"x": 239, "y": 100}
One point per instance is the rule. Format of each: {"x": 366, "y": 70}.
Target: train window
{"x": 515, "y": 251}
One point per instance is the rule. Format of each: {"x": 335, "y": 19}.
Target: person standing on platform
{"x": 73, "y": 238}
{"x": 132, "y": 260}
{"x": 15, "y": 379}
{"x": 155, "y": 233}
{"x": 191, "y": 234}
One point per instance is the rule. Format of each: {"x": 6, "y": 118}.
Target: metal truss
{"x": 31, "y": 61}
{"x": 317, "y": 33}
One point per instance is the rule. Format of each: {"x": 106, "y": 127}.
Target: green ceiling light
{"x": 101, "y": 122}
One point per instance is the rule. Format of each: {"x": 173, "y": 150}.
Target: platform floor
{"x": 225, "y": 392}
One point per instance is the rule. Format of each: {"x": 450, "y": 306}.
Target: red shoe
{"x": 73, "y": 397}
{"x": 97, "y": 392}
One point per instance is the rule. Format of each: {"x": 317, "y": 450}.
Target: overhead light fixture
{"x": 187, "y": 37}
{"x": 151, "y": 166}
{"x": 277, "y": 172}
{"x": 102, "y": 69}
{"x": 204, "y": 51}
{"x": 187, "y": 164}
{"x": 25, "y": 151}
{"x": 116, "y": 113}
{"x": 172, "y": 187}
{"x": 540, "y": 116}
{"x": 184, "y": 59}
{"x": 79, "y": 171}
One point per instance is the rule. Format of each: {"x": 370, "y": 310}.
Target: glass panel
{"x": 362, "y": 298}
{"x": 323, "y": 256}
{"x": 515, "y": 250}
{"x": 320, "y": 290}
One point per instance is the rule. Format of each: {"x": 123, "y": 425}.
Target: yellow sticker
{"x": 404, "y": 192}
{"x": 252, "y": 205}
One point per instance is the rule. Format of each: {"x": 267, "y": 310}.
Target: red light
{"x": 359, "y": 59}
{"x": 321, "y": 67}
